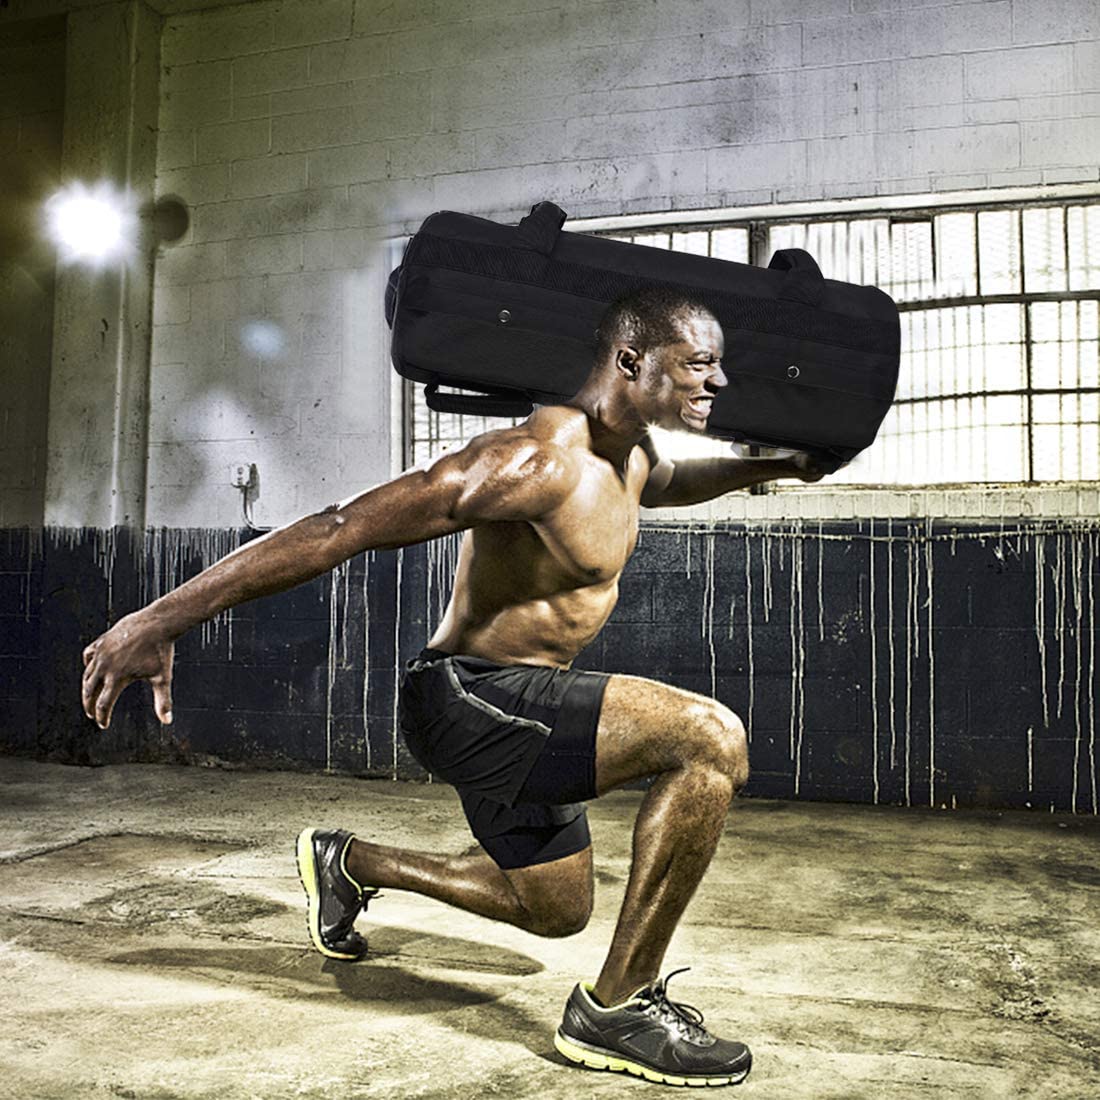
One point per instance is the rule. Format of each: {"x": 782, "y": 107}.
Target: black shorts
{"x": 518, "y": 743}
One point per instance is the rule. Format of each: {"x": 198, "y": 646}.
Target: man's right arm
{"x": 502, "y": 475}
{"x": 417, "y": 506}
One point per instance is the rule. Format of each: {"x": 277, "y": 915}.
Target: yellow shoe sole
{"x": 308, "y": 874}
{"x": 595, "y": 1059}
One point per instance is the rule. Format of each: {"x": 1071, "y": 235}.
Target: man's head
{"x": 664, "y": 350}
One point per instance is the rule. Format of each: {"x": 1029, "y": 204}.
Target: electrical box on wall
{"x": 241, "y": 475}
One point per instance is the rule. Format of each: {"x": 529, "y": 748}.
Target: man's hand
{"x": 808, "y": 467}
{"x": 133, "y": 649}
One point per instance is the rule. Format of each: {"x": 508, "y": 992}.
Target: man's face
{"x": 678, "y": 381}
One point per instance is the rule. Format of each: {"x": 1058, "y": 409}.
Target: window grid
{"x": 1000, "y": 366}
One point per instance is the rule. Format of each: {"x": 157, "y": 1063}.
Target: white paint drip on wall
{"x": 1089, "y": 632}
{"x": 1030, "y": 759}
{"x": 912, "y": 638}
{"x": 1092, "y": 670}
{"x": 1039, "y": 544}
{"x": 792, "y": 628}
{"x": 748, "y": 629}
{"x": 708, "y": 610}
{"x": 339, "y": 598}
{"x": 439, "y": 578}
{"x": 442, "y": 564}
{"x": 1076, "y": 558}
{"x": 767, "y": 559}
{"x": 798, "y": 654}
{"x": 334, "y": 592}
{"x": 397, "y": 654}
{"x": 32, "y": 548}
{"x": 368, "y": 561}
{"x": 890, "y": 639}
{"x": 931, "y": 667}
{"x": 820, "y": 582}
{"x": 1060, "y": 613}
{"x": 874, "y": 663}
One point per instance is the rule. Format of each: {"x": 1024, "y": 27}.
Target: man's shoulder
{"x": 517, "y": 473}
{"x": 551, "y": 433}
{"x": 542, "y": 446}
{"x": 565, "y": 433}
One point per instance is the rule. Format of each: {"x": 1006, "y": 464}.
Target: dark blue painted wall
{"x": 894, "y": 661}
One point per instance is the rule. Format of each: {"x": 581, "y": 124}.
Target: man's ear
{"x": 626, "y": 360}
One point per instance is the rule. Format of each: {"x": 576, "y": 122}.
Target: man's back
{"x": 537, "y": 591}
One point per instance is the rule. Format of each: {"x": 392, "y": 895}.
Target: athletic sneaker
{"x": 335, "y": 898}
{"x": 651, "y": 1037}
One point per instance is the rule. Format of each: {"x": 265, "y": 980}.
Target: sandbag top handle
{"x": 804, "y": 282}
{"x": 539, "y": 230}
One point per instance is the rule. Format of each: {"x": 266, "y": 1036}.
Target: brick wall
{"x": 899, "y": 662}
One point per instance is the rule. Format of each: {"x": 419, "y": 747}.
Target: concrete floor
{"x": 152, "y": 945}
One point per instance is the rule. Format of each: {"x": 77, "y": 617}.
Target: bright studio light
{"x": 93, "y": 225}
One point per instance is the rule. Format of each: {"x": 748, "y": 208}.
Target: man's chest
{"x": 593, "y": 534}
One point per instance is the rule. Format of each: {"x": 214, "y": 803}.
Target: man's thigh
{"x": 527, "y": 833}
{"x": 647, "y": 727}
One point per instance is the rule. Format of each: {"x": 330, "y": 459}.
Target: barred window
{"x": 1000, "y": 364}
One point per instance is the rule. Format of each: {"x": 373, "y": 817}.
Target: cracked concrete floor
{"x": 152, "y": 945}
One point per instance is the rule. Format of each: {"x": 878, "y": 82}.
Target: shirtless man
{"x": 550, "y": 511}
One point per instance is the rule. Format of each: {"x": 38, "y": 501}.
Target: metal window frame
{"x": 759, "y": 220}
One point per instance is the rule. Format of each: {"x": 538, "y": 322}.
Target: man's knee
{"x": 556, "y": 897}
{"x": 719, "y": 739}
{"x": 566, "y": 917}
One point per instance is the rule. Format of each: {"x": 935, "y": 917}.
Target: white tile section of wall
{"x": 303, "y": 135}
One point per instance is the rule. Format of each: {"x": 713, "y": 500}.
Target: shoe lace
{"x": 685, "y": 1018}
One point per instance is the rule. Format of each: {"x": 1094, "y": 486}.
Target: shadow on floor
{"x": 378, "y": 983}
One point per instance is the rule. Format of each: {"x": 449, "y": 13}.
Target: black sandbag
{"x": 511, "y": 312}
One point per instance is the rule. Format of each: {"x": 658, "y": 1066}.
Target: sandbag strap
{"x": 392, "y": 284}
{"x": 539, "y": 230}
{"x": 494, "y": 404}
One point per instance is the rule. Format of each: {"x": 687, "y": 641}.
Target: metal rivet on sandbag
{"x": 504, "y": 316}
{"x": 793, "y": 371}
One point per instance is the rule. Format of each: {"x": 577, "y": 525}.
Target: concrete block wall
{"x": 910, "y": 662}
{"x": 32, "y": 91}
{"x": 301, "y": 135}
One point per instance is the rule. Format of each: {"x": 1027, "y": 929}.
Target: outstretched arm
{"x": 694, "y": 480}
{"x": 502, "y": 475}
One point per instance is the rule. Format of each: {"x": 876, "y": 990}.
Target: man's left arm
{"x": 694, "y": 480}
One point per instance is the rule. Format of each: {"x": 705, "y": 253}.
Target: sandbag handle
{"x": 489, "y": 404}
{"x": 392, "y": 284}
{"x": 539, "y": 230}
{"x": 804, "y": 282}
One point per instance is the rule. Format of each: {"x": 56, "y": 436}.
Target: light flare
{"x": 96, "y": 224}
